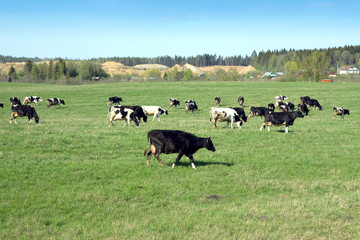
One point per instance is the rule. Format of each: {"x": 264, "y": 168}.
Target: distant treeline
{"x": 270, "y": 60}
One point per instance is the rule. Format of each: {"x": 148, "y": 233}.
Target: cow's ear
{"x": 209, "y": 138}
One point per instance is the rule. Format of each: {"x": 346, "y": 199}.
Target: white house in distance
{"x": 348, "y": 70}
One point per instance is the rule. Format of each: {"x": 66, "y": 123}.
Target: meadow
{"x": 73, "y": 177}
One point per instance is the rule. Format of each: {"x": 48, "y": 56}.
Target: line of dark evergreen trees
{"x": 270, "y": 60}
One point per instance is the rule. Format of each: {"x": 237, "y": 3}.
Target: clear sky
{"x": 105, "y": 28}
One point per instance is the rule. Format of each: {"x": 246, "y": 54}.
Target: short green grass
{"x": 73, "y": 177}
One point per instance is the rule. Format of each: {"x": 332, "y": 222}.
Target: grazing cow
{"x": 280, "y": 118}
{"x": 227, "y": 115}
{"x": 15, "y": 101}
{"x": 241, "y": 113}
{"x": 217, "y": 101}
{"x": 303, "y": 108}
{"x": 138, "y": 111}
{"x": 271, "y": 107}
{"x": 22, "y": 111}
{"x": 286, "y": 106}
{"x": 279, "y": 99}
{"x": 174, "y": 141}
{"x": 55, "y": 102}
{"x": 241, "y": 101}
{"x": 258, "y": 111}
{"x": 313, "y": 103}
{"x": 121, "y": 113}
{"x": 340, "y": 111}
{"x": 154, "y": 110}
{"x": 113, "y": 100}
{"x": 174, "y": 102}
{"x": 305, "y": 99}
{"x": 32, "y": 99}
{"x": 190, "y": 105}
{"x": 1, "y": 105}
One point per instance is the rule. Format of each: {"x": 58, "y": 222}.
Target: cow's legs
{"x": 150, "y": 153}
{"x": 262, "y": 126}
{"x": 177, "y": 159}
{"x": 154, "y": 117}
{"x": 156, "y": 155}
{"x": 192, "y": 161}
{"x": 12, "y": 116}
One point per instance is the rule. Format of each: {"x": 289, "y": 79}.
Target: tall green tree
{"x": 188, "y": 75}
{"x": 314, "y": 66}
{"x": 12, "y": 73}
{"x": 291, "y": 68}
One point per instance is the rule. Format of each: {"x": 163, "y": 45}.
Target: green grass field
{"x": 73, "y": 177}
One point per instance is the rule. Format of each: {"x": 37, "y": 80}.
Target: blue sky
{"x": 86, "y": 29}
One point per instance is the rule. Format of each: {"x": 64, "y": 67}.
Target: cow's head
{"x": 299, "y": 114}
{"x": 62, "y": 101}
{"x": 346, "y": 111}
{"x": 209, "y": 145}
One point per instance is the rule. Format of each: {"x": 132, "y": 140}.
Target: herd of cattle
{"x": 184, "y": 143}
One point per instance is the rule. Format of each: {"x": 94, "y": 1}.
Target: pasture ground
{"x": 73, "y": 177}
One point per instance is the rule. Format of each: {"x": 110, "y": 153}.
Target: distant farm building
{"x": 348, "y": 70}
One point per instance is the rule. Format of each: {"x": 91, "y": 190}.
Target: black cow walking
{"x": 22, "y": 111}
{"x": 280, "y": 118}
{"x": 174, "y": 102}
{"x": 174, "y": 141}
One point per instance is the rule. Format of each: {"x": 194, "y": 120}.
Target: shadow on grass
{"x": 202, "y": 163}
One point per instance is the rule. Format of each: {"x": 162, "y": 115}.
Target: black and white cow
{"x": 190, "y": 105}
{"x": 174, "y": 102}
{"x": 217, "y": 101}
{"x": 113, "y": 100}
{"x": 271, "y": 107}
{"x": 15, "y": 101}
{"x": 32, "y": 99}
{"x": 241, "y": 113}
{"x": 138, "y": 111}
{"x": 286, "y": 106}
{"x": 241, "y": 101}
{"x": 22, "y": 111}
{"x": 55, "y": 102}
{"x": 1, "y": 105}
{"x": 340, "y": 111}
{"x": 122, "y": 113}
{"x": 305, "y": 99}
{"x": 227, "y": 115}
{"x": 154, "y": 110}
{"x": 174, "y": 141}
{"x": 258, "y": 111}
{"x": 280, "y": 118}
{"x": 303, "y": 108}
{"x": 279, "y": 99}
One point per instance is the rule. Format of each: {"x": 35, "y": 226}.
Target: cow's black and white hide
{"x": 154, "y": 110}
{"x": 138, "y": 112}
{"x": 217, "y": 101}
{"x": 174, "y": 102}
{"x": 32, "y": 99}
{"x": 122, "y": 113}
{"x": 241, "y": 113}
{"x": 271, "y": 107}
{"x": 190, "y": 105}
{"x": 339, "y": 111}
{"x": 286, "y": 106}
{"x": 22, "y": 111}
{"x": 1, "y": 105}
{"x": 55, "y": 102}
{"x": 174, "y": 141}
{"x": 15, "y": 101}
